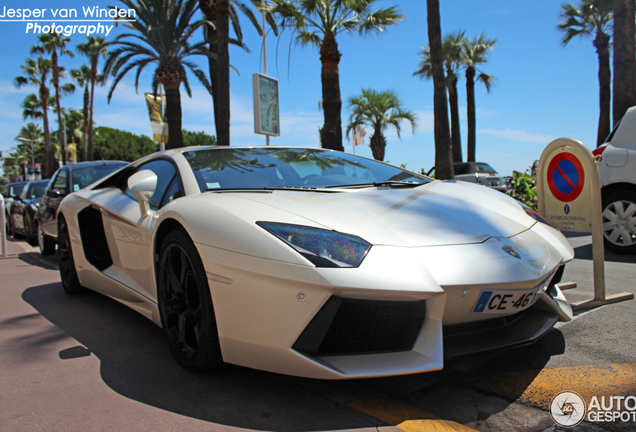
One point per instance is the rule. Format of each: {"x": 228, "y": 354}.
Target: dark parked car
{"x": 66, "y": 180}
{"x": 24, "y": 208}
{"x": 9, "y": 192}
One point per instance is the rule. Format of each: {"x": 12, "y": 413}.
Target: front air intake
{"x": 350, "y": 326}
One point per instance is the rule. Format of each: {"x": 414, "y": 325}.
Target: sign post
{"x": 569, "y": 194}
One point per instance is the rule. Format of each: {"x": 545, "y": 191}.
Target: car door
{"x": 129, "y": 235}
{"x": 17, "y": 210}
{"x": 56, "y": 191}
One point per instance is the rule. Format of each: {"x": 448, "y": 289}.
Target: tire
{"x": 66, "y": 263}
{"x": 185, "y": 305}
{"x": 31, "y": 237}
{"x": 45, "y": 243}
{"x": 619, "y": 222}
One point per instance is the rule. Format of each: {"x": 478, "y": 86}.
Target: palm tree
{"x": 594, "y": 18}
{"x": 36, "y": 72}
{"x": 474, "y": 53}
{"x": 82, "y": 77}
{"x": 32, "y": 106}
{"x": 378, "y": 110}
{"x": 30, "y": 147}
{"x": 624, "y": 61}
{"x": 318, "y": 22}
{"x": 94, "y": 48}
{"x": 451, "y": 51}
{"x": 52, "y": 43}
{"x": 209, "y": 9}
{"x": 443, "y": 156}
{"x": 163, "y": 32}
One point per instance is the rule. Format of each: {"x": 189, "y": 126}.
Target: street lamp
{"x": 32, "y": 153}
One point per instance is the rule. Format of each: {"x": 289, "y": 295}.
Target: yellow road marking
{"x": 538, "y": 387}
{"x": 406, "y": 417}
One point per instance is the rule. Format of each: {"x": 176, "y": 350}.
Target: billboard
{"x": 266, "y": 107}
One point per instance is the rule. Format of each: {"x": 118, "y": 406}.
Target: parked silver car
{"x": 617, "y": 168}
{"x": 477, "y": 172}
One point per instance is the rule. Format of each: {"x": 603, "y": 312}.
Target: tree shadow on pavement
{"x": 136, "y": 363}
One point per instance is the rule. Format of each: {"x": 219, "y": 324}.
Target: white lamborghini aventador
{"x": 313, "y": 263}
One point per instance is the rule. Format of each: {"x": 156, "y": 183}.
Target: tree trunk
{"x": 604, "y": 82}
{"x": 377, "y": 142}
{"x": 85, "y": 126}
{"x": 94, "y": 60}
{"x": 58, "y": 107}
{"x": 624, "y": 60}
{"x": 456, "y": 139}
{"x": 470, "y": 112}
{"x": 173, "y": 116}
{"x": 331, "y": 133}
{"x": 443, "y": 157}
{"x": 49, "y": 169}
{"x": 209, "y": 10}
{"x": 223, "y": 73}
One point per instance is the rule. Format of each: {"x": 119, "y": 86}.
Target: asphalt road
{"x": 88, "y": 363}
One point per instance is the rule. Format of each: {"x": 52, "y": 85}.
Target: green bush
{"x": 523, "y": 187}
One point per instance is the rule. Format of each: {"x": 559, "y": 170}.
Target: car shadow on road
{"x": 136, "y": 363}
{"x": 475, "y": 387}
{"x": 582, "y": 243}
{"x": 586, "y": 252}
{"x": 35, "y": 259}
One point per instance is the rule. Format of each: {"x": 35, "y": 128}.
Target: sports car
{"x": 311, "y": 262}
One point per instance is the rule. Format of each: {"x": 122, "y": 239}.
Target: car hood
{"x": 438, "y": 213}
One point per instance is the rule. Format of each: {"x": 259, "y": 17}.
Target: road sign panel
{"x": 566, "y": 177}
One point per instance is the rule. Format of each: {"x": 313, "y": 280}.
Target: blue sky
{"x": 542, "y": 90}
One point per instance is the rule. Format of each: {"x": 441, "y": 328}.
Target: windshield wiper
{"x": 389, "y": 183}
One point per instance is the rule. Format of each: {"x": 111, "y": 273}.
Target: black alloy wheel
{"x": 68, "y": 273}
{"x": 185, "y": 305}
{"x": 619, "y": 222}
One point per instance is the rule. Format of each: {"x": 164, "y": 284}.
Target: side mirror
{"x": 53, "y": 193}
{"x": 143, "y": 184}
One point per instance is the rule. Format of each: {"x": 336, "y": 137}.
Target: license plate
{"x": 501, "y": 302}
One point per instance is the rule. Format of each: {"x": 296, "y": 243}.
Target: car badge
{"x": 512, "y": 252}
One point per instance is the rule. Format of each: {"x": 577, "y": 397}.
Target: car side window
{"x": 59, "y": 184}
{"x": 168, "y": 183}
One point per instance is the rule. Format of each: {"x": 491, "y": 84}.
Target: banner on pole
{"x": 266, "y": 106}
{"x": 158, "y": 123}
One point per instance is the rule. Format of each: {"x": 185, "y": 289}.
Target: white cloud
{"x": 516, "y": 135}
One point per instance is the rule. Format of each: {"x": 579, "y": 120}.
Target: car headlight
{"x": 323, "y": 248}
{"x": 534, "y": 215}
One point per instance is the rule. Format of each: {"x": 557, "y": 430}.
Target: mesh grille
{"x": 346, "y": 326}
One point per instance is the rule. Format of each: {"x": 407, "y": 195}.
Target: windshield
{"x": 16, "y": 189}
{"x": 35, "y": 190}
{"x": 83, "y": 177}
{"x": 263, "y": 168}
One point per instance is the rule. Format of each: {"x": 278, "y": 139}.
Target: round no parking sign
{"x": 564, "y": 174}
{"x": 566, "y": 177}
